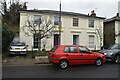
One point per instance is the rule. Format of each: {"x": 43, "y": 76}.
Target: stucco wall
{"x": 67, "y": 30}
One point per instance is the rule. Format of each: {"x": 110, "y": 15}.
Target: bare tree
{"x": 99, "y": 35}
{"x": 42, "y": 28}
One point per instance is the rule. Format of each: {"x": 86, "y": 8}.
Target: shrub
{"x": 95, "y": 50}
{"x": 7, "y": 37}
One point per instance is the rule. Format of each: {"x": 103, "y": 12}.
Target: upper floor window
{"x": 37, "y": 19}
{"x": 91, "y": 23}
{"x": 75, "y": 21}
{"x": 56, "y": 20}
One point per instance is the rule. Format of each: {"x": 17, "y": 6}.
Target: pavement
{"x": 26, "y": 61}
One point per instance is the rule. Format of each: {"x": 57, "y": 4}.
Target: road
{"x": 107, "y": 70}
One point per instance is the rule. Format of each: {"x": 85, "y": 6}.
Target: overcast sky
{"x": 103, "y": 8}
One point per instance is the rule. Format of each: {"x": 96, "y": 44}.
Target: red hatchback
{"x": 65, "y": 55}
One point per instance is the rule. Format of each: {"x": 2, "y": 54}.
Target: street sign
{"x": 60, "y": 28}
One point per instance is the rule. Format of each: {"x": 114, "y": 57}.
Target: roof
{"x": 62, "y": 12}
{"x": 116, "y": 18}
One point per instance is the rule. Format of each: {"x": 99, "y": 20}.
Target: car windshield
{"x": 116, "y": 46}
{"x": 18, "y": 44}
{"x": 54, "y": 48}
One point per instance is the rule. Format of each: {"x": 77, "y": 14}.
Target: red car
{"x": 65, "y": 55}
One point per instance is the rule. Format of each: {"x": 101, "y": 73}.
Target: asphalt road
{"x": 107, "y": 70}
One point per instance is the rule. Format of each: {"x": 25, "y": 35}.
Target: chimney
{"x": 25, "y": 6}
{"x": 93, "y": 13}
{"x": 117, "y": 15}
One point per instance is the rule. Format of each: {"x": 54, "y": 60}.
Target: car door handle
{"x": 81, "y": 55}
{"x": 67, "y": 54}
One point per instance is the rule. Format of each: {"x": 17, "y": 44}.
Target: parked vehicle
{"x": 112, "y": 54}
{"x": 65, "y": 55}
{"x": 18, "y": 48}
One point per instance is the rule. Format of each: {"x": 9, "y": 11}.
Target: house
{"x": 112, "y": 31}
{"x": 78, "y": 29}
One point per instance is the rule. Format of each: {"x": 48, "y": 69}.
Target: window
{"x": 54, "y": 48}
{"x": 91, "y": 41}
{"x": 67, "y": 49}
{"x": 75, "y": 21}
{"x": 35, "y": 41}
{"x": 91, "y": 23}
{"x": 83, "y": 50}
{"x": 71, "y": 49}
{"x": 56, "y": 20}
{"x": 37, "y": 19}
{"x": 18, "y": 44}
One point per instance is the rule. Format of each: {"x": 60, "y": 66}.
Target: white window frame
{"x": 37, "y": 19}
{"x": 75, "y": 22}
{"x": 91, "y": 42}
{"x": 91, "y": 23}
{"x": 56, "y": 20}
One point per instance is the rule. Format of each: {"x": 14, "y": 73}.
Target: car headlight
{"x": 108, "y": 54}
{"x": 105, "y": 53}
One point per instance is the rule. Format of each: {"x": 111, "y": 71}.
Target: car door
{"x": 72, "y": 54}
{"x": 86, "y": 57}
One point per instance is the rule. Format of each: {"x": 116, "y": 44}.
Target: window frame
{"x": 75, "y": 22}
{"x": 56, "y": 20}
{"x": 91, "y": 23}
{"x": 91, "y": 41}
{"x": 36, "y": 21}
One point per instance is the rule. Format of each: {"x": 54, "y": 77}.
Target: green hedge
{"x": 7, "y": 37}
{"x": 95, "y": 50}
{"x": 37, "y": 53}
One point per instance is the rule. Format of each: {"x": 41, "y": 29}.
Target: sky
{"x": 103, "y": 8}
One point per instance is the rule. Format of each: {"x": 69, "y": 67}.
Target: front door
{"x": 56, "y": 39}
{"x": 75, "y": 39}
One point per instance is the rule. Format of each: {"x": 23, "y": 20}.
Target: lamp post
{"x": 60, "y": 27}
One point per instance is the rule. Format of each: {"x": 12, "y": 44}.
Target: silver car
{"x": 18, "y": 48}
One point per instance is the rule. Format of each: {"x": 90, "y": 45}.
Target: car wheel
{"x": 63, "y": 64}
{"x": 98, "y": 62}
{"x": 117, "y": 59}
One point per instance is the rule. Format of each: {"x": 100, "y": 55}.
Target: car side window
{"x": 66, "y": 49}
{"x": 71, "y": 49}
{"x": 83, "y": 50}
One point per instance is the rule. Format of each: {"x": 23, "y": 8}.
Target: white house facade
{"x": 78, "y": 29}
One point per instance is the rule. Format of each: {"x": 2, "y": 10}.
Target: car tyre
{"x": 98, "y": 62}
{"x": 117, "y": 59}
{"x": 63, "y": 64}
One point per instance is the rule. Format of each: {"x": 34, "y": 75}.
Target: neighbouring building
{"x": 112, "y": 31}
{"x": 78, "y": 29}
{"x": 0, "y": 20}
